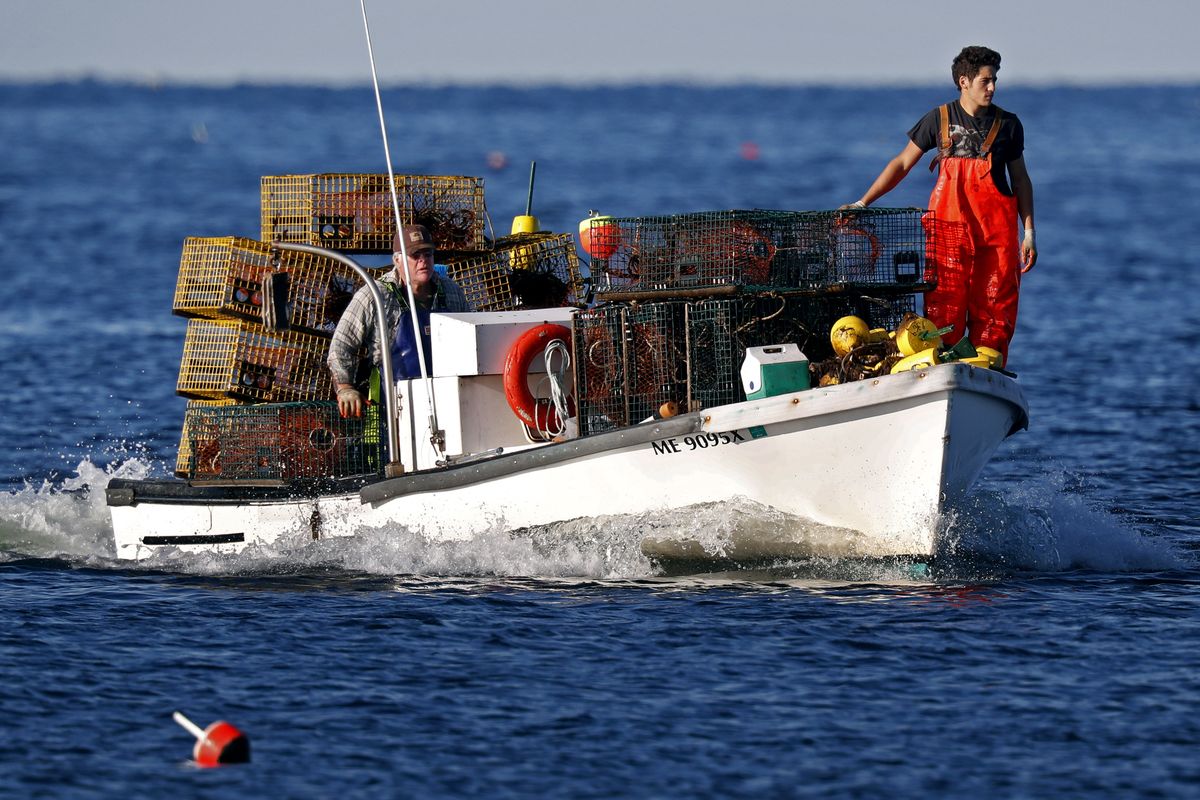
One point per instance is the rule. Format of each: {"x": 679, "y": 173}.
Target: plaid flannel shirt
{"x": 355, "y": 336}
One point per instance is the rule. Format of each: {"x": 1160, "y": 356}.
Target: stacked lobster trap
{"x": 819, "y": 251}
{"x": 254, "y": 367}
{"x": 279, "y": 442}
{"x": 686, "y": 295}
{"x": 353, "y": 212}
{"x": 236, "y": 278}
{"x": 529, "y": 270}
{"x": 259, "y": 318}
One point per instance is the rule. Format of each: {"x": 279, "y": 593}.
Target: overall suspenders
{"x": 944, "y": 143}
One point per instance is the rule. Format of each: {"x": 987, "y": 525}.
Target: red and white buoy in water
{"x": 600, "y": 235}
{"x": 219, "y": 743}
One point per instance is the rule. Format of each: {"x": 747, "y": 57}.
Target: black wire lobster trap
{"x": 721, "y": 329}
{"x": 631, "y": 359}
{"x": 896, "y": 249}
{"x": 531, "y": 270}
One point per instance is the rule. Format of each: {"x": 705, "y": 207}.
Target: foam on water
{"x": 1041, "y": 526}
{"x": 67, "y": 519}
{"x": 1035, "y": 526}
{"x": 606, "y": 553}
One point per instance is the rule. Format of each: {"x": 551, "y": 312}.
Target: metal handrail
{"x": 394, "y": 467}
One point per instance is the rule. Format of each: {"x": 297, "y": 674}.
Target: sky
{"x": 580, "y": 42}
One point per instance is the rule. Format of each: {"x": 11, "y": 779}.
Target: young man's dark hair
{"x": 970, "y": 60}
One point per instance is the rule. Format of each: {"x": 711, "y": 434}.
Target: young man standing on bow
{"x": 980, "y": 149}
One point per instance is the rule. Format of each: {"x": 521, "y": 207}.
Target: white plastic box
{"x": 477, "y": 342}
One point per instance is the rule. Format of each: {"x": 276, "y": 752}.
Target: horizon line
{"x": 155, "y": 82}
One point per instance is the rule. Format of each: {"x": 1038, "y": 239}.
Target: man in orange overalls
{"x": 977, "y": 143}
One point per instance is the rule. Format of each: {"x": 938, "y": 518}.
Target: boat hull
{"x": 866, "y": 467}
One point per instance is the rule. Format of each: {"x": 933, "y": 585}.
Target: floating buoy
{"x": 749, "y": 151}
{"x": 524, "y": 257}
{"x": 497, "y": 160}
{"x": 219, "y": 743}
{"x": 599, "y": 235}
{"x": 527, "y": 222}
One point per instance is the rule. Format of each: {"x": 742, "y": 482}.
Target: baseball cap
{"x": 417, "y": 239}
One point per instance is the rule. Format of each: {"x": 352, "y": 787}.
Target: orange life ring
{"x": 516, "y": 375}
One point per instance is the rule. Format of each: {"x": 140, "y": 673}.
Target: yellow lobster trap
{"x": 353, "y": 212}
{"x": 183, "y": 461}
{"x": 530, "y": 270}
{"x": 231, "y": 277}
{"x": 239, "y": 360}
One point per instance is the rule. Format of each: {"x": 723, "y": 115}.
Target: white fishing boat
{"x": 872, "y": 462}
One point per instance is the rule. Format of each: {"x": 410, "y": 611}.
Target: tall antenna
{"x": 435, "y": 433}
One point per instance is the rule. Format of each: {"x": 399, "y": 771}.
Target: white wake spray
{"x": 1038, "y": 527}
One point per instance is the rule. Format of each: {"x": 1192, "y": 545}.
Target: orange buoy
{"x": 600, "y": 235}
{"x": 219, "y": 743}
{"x": 497, "y": 159}
{"x": 534, "y": 413}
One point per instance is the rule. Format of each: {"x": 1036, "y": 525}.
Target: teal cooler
{"x": 773, "y": 370}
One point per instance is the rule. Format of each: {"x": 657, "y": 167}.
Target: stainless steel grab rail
{"x": 393, "y": 468}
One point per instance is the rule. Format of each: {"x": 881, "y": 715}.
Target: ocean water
{"x": 1053, "y": 653}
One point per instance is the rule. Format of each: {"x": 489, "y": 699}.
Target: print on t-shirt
{"x": 966, "y": 142}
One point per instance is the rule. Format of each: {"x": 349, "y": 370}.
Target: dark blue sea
{"x": 1056, "y": 654}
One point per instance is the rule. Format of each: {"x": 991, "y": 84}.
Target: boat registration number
{"x": 701, "y": 441}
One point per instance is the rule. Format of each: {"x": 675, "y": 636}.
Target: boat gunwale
{"x": 797, "y": 405}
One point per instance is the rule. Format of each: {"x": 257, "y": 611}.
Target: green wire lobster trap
{"x": 716, "y": 252}
{"x": 281, "y": 442}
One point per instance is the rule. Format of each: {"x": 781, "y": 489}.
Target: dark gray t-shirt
{"x": 967, "y": 134}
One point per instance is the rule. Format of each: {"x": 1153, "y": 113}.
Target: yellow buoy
{"x": 994, "y": 356}
{"x": 525, "y": 223}
{"x": 525, "y": 256}
{"x": 848, "y": 333}
{"x": 921, "y": 360}
{"x": 916, "y": 334}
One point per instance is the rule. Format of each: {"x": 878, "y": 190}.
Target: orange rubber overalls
{"x": 979, "y": 270}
